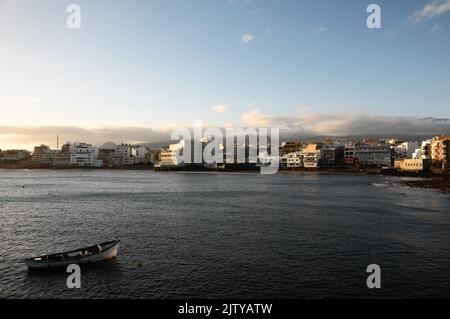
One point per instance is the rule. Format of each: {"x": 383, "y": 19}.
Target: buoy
{"x": 140, "y": 264}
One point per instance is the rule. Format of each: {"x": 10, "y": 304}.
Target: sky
{"x": 137, "y": 69}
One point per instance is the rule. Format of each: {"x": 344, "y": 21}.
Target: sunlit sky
{"x": 162, "y": 63}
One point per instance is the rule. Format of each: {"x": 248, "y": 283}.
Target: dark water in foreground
{"x": 225, "y": 235}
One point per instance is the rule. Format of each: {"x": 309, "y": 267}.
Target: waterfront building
{"x": 290, "y": 147}
{"x": 155, "y": 155}
{"x": 426, "y": 149}
{"x": 14, "y": 155}
{"x": 405, "y": 150}
{"x": 123, "y": 152}
{"x": 329, "y": 156}
{"x": 171, "y": 157}
{"x": 36, "y": 156}
{"x": 62, "y": 157}
{"x": 413, "y": 165}
{"x": 312, "y": 155}
{"x": 48, "y": 156}
{"x": 43, "y": 155}
{"x": 440, "y": 152}
{"x": 349, "y": 154}
{"x": 292, "y": 160}
{"x": 168, "y": 158}
{"x": 373, "y": 153}
{"x": 139, "y": 154}
{"x": 417, "y": 153}
{"x": 113, "y": 155}
{"x": 116, "y": 160}
{"x": 105, "y": 154}
{"x": 120, "y": 155}
{"x": 83, "y": 154}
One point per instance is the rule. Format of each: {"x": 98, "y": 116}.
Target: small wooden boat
{"x": 91, "y": 254}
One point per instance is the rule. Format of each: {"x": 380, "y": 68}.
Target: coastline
{"x": 437, "y": 183}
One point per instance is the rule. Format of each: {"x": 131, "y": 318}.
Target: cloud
{"x": 35, "y": 135}
{"x": 301, "y": 126}
{"x": 348, "y": 124}
{"x": 320, "y": 29}
{"x": 433, "y": 9}
{"x": 436, "y": 29}
{"x": 246, "y": 38}
{"x": 220, "y": 108}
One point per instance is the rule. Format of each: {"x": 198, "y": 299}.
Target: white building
{"x": 139, "y": 154}
{"x": 171, "y": 156}
{"x": 124, "y": 152}
{"x": 406, "y": 149}
{"x": 292, "y": 160}
{"x": 426, "y": 149}
{"x": 82, "y": 154}
{"x": 417, "y": 154}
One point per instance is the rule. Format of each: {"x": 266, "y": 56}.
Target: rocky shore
{"x": 441, "y": 183}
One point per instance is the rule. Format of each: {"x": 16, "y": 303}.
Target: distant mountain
{"x": 406, "y": 137}
{"x": 292, "y": 137}
{"x": 161, "y": 144}
{"x": 108, "y": 146}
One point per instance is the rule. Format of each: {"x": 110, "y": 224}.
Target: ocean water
{"x": 224, "y": 235}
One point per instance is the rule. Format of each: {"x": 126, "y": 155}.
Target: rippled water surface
{"x": 213, "y": 235}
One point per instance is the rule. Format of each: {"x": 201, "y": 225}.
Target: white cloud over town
{"x": 246, "y": 38}
{"x": 320, "y": 29}
{"x": 290, "y": 126}
{"x": 348, "y": 124}
{"x": 433, "y": 9}
{"x": 220, "y": 108}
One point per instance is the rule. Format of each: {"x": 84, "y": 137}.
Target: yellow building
{"x": 412, "y": 165}
{"x": 312, "y": 155}
{"x": 440, "y": 152}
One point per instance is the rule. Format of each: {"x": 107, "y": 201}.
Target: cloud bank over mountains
{"x": 290, "y": 126}
{"x": 349, "y": 124}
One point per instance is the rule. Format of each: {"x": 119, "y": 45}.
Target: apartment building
{"x": 373, "y": 153}
{"x": 291, "y": 160}
{"x": 83, "y": 154}
{"x": 171, "y": 157}
{"x": 290, "y": 147}
{"x": 405, "y": 150}
{"x": 312, "y": 155}
{"x": 440, "y": 152}
{"x": 123, "y": 153}
{"x": 14, "y": 155}
{"x": 62, "y": 157}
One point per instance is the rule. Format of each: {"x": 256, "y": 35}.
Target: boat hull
{"x": 106, "y": 254}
